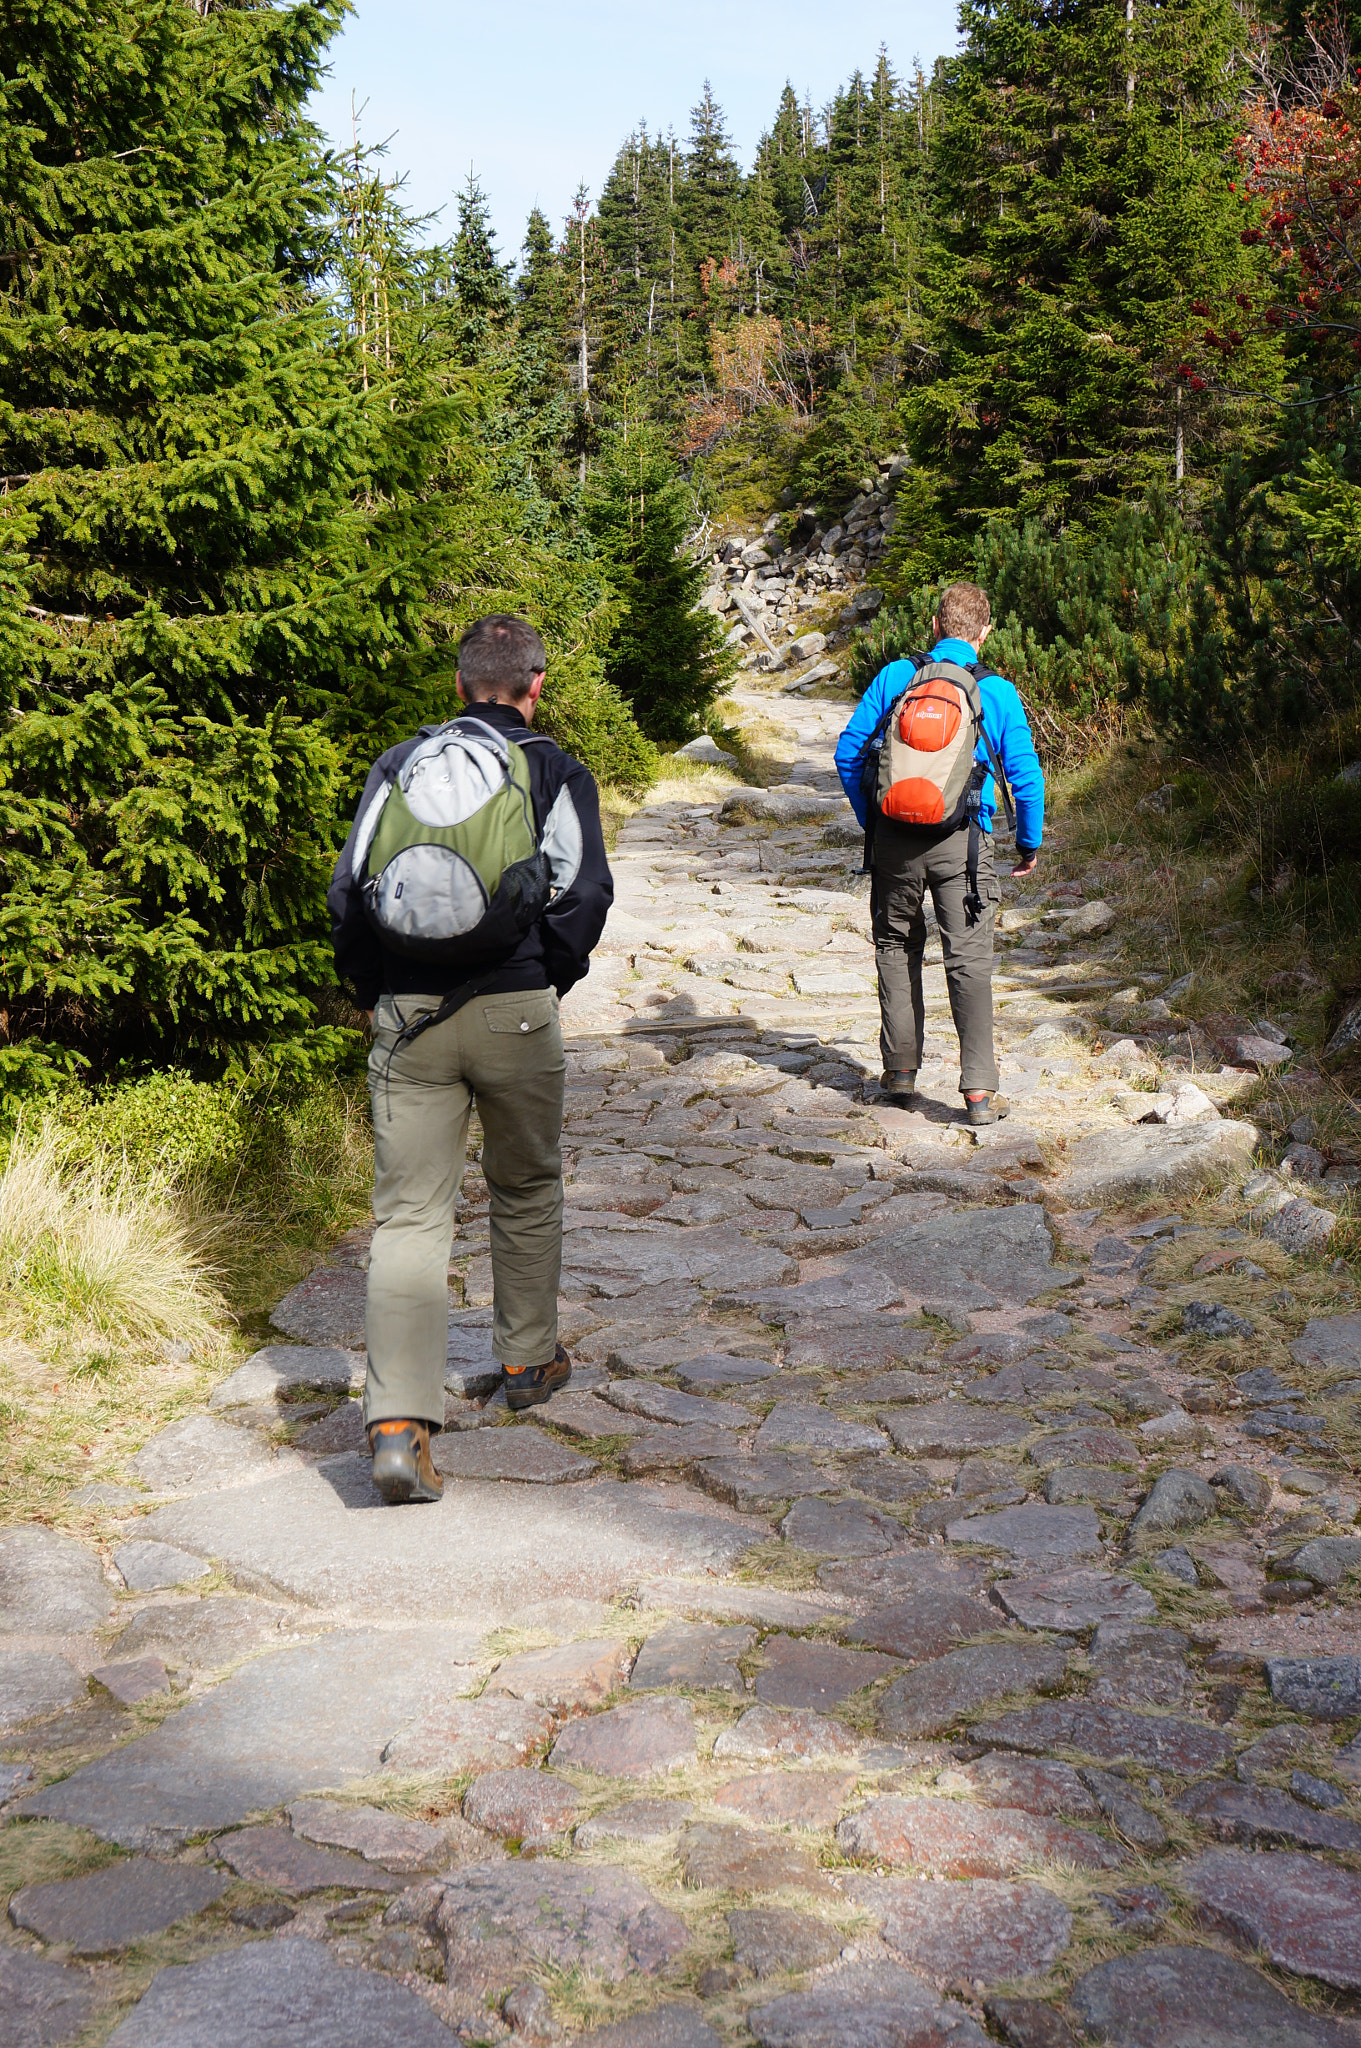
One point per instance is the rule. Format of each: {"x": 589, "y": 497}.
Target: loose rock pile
{"x": 929, "y": 1616}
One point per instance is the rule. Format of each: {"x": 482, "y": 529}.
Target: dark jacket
{"x": 556, "y": 953}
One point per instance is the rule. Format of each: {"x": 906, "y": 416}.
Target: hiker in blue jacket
{"x": 906, "y": 861}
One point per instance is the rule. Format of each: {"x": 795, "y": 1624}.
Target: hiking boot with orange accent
{"x": 985, "y": 1107}
{"x": 529, "y": 1386}
{"x": 402, "y": 1466}
{"x": 898, "y": 1085}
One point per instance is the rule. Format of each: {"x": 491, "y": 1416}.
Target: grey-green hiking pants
{"x": 505, "y": 1052}
{"x": 905, "y": 867}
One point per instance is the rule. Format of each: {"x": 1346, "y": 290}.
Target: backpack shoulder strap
{"x": 979, "y": 670}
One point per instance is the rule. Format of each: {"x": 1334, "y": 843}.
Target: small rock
{"x": 706, "y": 749}
{"x": 1029, "y": 2023}
{"x": 664, "y": 2026}
{"x": 1163, "y": 1741}
{"x": 377, "y": 1836}
{"x": 495, "y": 1918}
{"x": 1324, "y": 1688}
{"x": 1326, "y": 1560}
{"x": 960, "y": 1933}
{"x": 1178, "y": 1500}
{"x": 1178, "y": 1563}
{"x": 1246, "y": 1489}
{"x": 925, "y": 1624}
{"x": 1126, "y": 1813}
{"x": 43, "y": 2002}
{"x": 1315, "y": 1792}
{"x": 469, "y": 1735}
{"x": 49, "y": 1585}
{"x": 529, "y": 2013}
{"x": 638, "y": 1740}
{"x": 1261, "y": 1816}
{"x": 1029, "y": 1784}
{"x": 141, "y": 1679}
{"x": 247, "y": 1993}
{"x": 1299, "y": 1227}
{"x": 1212, "y": 1319}
{"x": 764, "y": 1734}
{"x": 1039, "y": 1534}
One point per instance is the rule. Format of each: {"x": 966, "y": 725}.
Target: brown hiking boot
{"x": 529, "y": 1386}
{"x": 987, "y": 1107}
{"x": 898, "y": 1084}
{"x": 402, "y": 1466}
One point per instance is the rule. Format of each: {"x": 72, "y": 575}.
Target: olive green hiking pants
{"x": 906, "y": 865}
{"x": 505, "y": 1053}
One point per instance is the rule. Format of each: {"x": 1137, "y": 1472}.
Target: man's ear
{"x": 458, "y": 685}
{"x": 935, "y": 624}
{"x": 533, "y": 695}
{"x": 983, "y": 636}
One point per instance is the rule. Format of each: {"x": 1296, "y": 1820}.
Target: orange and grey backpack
{"x": 919, "y": 770}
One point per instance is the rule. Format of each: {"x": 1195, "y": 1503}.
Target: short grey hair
{"x": 500, "y": 651}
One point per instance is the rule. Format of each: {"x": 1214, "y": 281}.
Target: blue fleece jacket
{"x": 1004, "y": 720}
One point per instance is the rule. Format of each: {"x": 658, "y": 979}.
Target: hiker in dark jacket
{"x": 448, "y": 1031}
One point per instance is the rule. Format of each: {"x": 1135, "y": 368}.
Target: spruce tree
{"x": 206, "y": 531}
{"x": 666, "y": 658}
{"x": 1081, "y": 223}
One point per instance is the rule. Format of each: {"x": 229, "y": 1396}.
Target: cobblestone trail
{"x": 930, "y": 1616}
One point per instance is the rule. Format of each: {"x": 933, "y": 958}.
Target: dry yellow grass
{"x": 111, "y": 1317}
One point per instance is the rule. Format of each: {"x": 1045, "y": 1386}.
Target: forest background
{"x": 269, "y": 441}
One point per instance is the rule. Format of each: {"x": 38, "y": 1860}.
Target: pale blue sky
{"x": 538, "y": 96}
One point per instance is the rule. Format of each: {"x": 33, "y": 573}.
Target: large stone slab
{"x": 694, "y": 1654}
{"x": 1072, "y": 1602}
{"x": 1196, "y": 1998}
{"x": 508, "y": 1453}
{"x": 976, "y": 1258}
{"x": 842, "y": 1528}
{"x": 713, "y": 1857}
{"x": 490, "y": 1734}
{"x": 34, "y": 1682}
{"x": 116, "y": 1906}
{"x": 665, "y": 1404}
{"x": 797, "y": 1672}
{"x": 147, "y": 1567}
{"x": 287, "y": 1369}
{"x": 1298, "y": 1912}
{"x": 43, "y": 2003}
{"x": 211, "y": 1632}
{"x": 201, "y": 1454}
{"x": 754, "y": 1484}
{"x": 275, "y": 1993}
{"x": 935, "y": 1696}
{"x": 49, "y": 1585}
{"x": 587, "y": 1416}
{"x": 923, "y": 1624}
{"x": 664, "y": 2026}
{"x": 805, "y": 1426}
{"x": 494, "y": 1918}
{"x": 865, "y": 2005}
{"x": 643, "y": 1739}
{"x": 1037, "y": 1533}
{"x": 641, "y": 1820}
{"x": 770, "y": 1940}
{"x": 1324, "y": 1688}
{"x": 766, "y": 1734}
{"x": 1144, "y": 1160}
{"x": 323, "y": 1536}
{"x": 1261, "y": 1816}
{"x": 951, "y": 1839}
{"x": 619, "y": 1263}
{"x": 797, "y": 1799}
{"x": 369, "y": 1831}
{"x": 767, "y": 1606}
{"x": 286, "y": 1863}
{"x": 521, "y": 1805}
{"x": 327, "y": 1308}
{"x": 306, "y": 1719}
{"x": 946, "y": 1429}
{"x": 1164, "y": 1741}
{"x": 1030, "y": 1784}
{"x": 959, "y": 1933}
{"x": 717, "y": 1370}
{"x": 570, "y": 1675}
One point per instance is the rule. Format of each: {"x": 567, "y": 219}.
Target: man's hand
{"x": 1026, "y": 865}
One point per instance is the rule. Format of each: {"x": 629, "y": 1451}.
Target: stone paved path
{"x": 926, "y": 1618}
